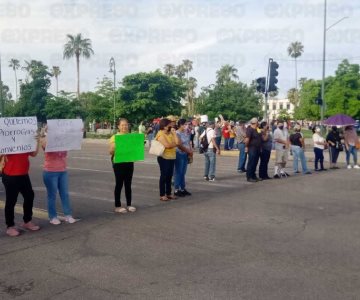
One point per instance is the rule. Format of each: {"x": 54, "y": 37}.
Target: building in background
{"x": 277, "y": 107}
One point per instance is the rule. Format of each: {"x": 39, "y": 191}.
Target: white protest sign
{"x": 17, "y": 135}
{"x": 64, "y": 135}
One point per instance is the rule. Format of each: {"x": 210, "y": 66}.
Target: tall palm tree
{"x": 15, "y": 65}
{"x": 191, "y": 86}
{"x": 169, "y": 69}
{"x": 187, "y": 65}
{"x": 56, "y": 72}
{"x": 295, "y": 50}
{"x": 77, "y": 46}
{"x": 180, "y": 71}
{"x": 226, "y": 74}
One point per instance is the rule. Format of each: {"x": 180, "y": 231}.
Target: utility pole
{"x": 323, "y": 68}
{"x": 113, "y": 70}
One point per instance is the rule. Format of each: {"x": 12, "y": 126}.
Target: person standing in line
{"x": 150, "y": 134}
{"x": 226, "y": 135}
{"x": 298, "y": 149}
{"x": 15, "y": 177}
{"x": 123, "y": 172}
{"x": 210, "y": 154}
{"x": 218, "y": 133}
{"x": 196, "y": 129}
{"x": 252, "y": 147}
{"x": 232, "y": 135}
{"x": 319, "y": 146}
{"x": 168, "y": 138}
{"x": 265, "y": 153}
{"x": 240, "y": 136}
{"x": 281, "y": 149}
{"x": 334, "y": 140}
{"x": 351, "y": 141}
{"x": 55, "y": 177}
{"x": 142, "y": 128}
{"x": 183, "y": 151}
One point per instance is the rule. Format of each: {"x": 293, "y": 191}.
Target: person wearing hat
{"x": 210, "y": 153}
{"x": 252, "y": 147}
{"x": 298, "y": 147}
{"x": 281, "y": 150}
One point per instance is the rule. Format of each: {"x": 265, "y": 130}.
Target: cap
{"x": 254, "y": 121}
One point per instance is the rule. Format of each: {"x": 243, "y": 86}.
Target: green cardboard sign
{"x": 129, "y": 147}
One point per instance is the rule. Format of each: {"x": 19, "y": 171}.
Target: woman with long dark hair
{"x": 123, "y": 173}
{"x": 168, "y": 138}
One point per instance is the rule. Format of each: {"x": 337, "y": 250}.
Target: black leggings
{"x": 166, "y": 173}
{"x": 13, "y": 186}
{"x": 123, "y": 176}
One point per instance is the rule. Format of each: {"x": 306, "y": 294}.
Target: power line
{"x": 318, "y": 60}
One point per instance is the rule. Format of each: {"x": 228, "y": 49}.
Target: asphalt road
{"x": 294, "y": 238}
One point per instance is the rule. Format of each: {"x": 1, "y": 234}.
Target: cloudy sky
{"x": 144, "y": 35}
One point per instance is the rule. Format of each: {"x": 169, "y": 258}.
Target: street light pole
{"x": 113, "y": 70}
{"x": 323, "y": 67}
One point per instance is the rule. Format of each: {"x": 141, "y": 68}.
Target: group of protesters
{"x": 179, "y": 138}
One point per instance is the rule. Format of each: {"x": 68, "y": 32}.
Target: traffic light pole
{"x": 266, "y": 91}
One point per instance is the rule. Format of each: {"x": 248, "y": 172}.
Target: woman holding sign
{"x": 15, "y": 177}
{"x": 168, "y": 137}
{"x": 123, "y": 172}
{"x": 55, "y": 178}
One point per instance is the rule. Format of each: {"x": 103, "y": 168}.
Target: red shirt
{"x": 17, "y": 164}
{"x": 226, "y": 135}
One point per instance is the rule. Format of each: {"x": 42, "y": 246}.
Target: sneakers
{"x": 212, "y": 178}
{"x": 179, "y": 193}
{"x": 69, "y": 219}
{"x": 186, "y": 193}
{"x": 30, "y": 226}
{"x": 276, "y": 176}
{"x": 206, "y": 178}
{"x": 120, "y": 210}
{"x": 131, "y": 209}
{"x": 55, "y": 221}
{"x": 12, "y": 231}
{"x": 349, "y": 166}
{"x": 356, "y": 167}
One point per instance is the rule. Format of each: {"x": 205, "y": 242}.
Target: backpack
{"x": 204, "y": 143}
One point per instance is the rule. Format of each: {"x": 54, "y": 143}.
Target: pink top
{"x": 55, "y": 161}
{"x": 351, "y": 137}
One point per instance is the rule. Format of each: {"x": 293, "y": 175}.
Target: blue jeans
{"x": 242, "y": 157}
{"x": 351, "y": 150}
{"x": 181, "y": 163}
{"x": 210, "y": 163}
{"x": 298, "y": 153}
{"x": 55, "y": 181}
{"x": 218, "y": 141}
{"x": 231, "y": 143}
{"x": 226, "y": 144}
{"x": 319, "y": 156}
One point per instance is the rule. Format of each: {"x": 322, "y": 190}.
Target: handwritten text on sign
{"x": 64, "y": 135}
{"x": 17, "y": 135}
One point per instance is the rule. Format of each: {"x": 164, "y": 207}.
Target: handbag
{"x": 357, "y": 145}
{"x": 339, "y": 146}
{"x": 156, "y": 148}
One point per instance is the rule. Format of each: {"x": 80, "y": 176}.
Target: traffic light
{"x": 272, "y": 76}
{"x": 260, "y": 84}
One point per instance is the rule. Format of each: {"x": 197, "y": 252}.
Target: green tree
{"x": 169, "y": 70}
{"x": 15, "y": 65}
{"x": 62, "y": 108}
{"x": 295, "y": 50}
{"x": 180, "y": 71}
{"x": 293, "y": 96}
{"x": 226, "y": 74}
{"x": 77, "y": 46}
{"x": 145, "y": 96}
{"x": 56, "y": 73}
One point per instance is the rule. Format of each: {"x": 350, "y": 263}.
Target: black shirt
{"x": 333, "y": 137}
{"x": 295, "y": 139}
{"x": 254, "y": 139}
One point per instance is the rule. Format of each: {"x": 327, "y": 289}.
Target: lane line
{"x": 37, "y": 212}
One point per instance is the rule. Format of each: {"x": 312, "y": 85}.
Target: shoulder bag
{"x": 156, "y": 148}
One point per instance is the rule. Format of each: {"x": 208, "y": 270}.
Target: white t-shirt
{"x": 210, "y": 134}
{"x": 281, "y": 135}
{"x": 320, "y": 139}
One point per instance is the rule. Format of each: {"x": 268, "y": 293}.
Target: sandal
{"x": 171, "y": 197}
{"x": 164, "y": 198}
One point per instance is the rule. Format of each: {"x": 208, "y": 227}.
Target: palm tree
{"x": 191, "y": 86}
{"x": 56, "y": 72}
{"x": 187, "y": 65}
{"x": 226, "y": 74}
{"x": 295, "y": 50}
{"x": 180, "y": 71}
{"x": 35, "y": 68}
{"x": 15, "y": 65}
{"x": 77, "y": 46}
{"x": 169, "y": 69}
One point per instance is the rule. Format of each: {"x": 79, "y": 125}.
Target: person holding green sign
{"x": 123, "y": 171}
